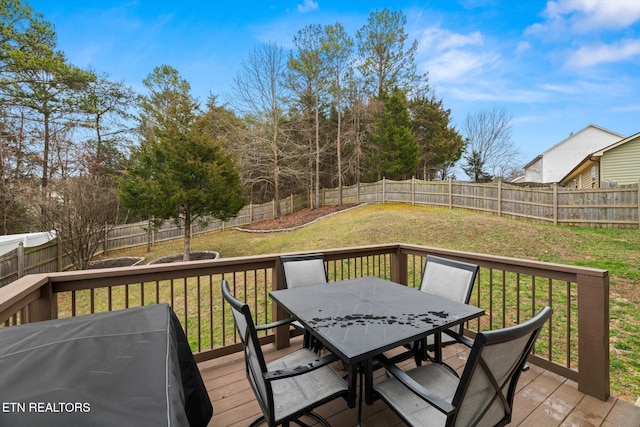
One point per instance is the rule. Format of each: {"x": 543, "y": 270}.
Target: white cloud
{"x": 450, "y": 56}
{"x": 588, "y": 56}
{"x": 457, "y": 64}
{"x": 307, "y": 6}
{"x": 523, "y": 47}
{"x": 583, "y": 16}
{"x": 435, "y": 38}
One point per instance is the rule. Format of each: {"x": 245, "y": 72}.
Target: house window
{"x": 593, "y": 177}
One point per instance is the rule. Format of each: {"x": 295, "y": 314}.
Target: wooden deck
{"x": 543, "y": 398}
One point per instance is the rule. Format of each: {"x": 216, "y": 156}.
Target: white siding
{"x": 533, "y": 173}
{"x": 622, "y": 164}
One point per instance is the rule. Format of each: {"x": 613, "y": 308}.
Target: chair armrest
{"x": 298, "y": 370}
{"x": 274, "y": 324}
{"x": 416, "y": 388}
{"x": 460, "y": 338}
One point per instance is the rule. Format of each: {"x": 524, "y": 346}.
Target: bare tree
{"x": 337, "y": 49}
{"x": 79, "y": 210}
{"x": 307, "y": 78}
{"x": 490, "y": 153}
{"x": 260, "y": 96}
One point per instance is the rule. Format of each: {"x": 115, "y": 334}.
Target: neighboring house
{"x": 555, "y": 163}
{"x": 617, "y": 164}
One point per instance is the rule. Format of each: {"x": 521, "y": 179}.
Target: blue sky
{"x": 555, "y": 66}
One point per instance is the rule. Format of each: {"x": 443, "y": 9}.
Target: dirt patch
{"x": 296, "y": 219}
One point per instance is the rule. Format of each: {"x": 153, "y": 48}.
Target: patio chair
{"x": 449, "y": 279}
{"x": 431, "y": 395}
{"x": 303, "y": 270}
{"x": 290, "y": 387}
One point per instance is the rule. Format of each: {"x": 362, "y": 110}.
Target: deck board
{"x": 543, "y": 399}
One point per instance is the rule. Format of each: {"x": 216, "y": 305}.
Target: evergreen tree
{"x": 440, "y": 143}
{"x": 395, "y": 152}
{"x": 474, "y": 167}
{"x": 179, "y": 171}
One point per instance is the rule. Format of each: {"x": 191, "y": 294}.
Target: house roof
{"x": 595, "y": 157}
{"x": 573, "y": 134}
{"x": 616, "y": 144}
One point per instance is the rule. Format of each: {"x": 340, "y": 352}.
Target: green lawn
{"x": 615, "y": 250}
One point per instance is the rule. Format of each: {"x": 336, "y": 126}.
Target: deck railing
{"x": 573, "y": 344}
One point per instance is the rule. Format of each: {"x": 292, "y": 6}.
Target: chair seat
{"x": 440, "y": 381}
{"x": 293, "y": 394}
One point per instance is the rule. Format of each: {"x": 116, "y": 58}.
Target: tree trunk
{"x": 186, "y": 256}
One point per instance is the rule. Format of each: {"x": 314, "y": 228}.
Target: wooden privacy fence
{"x": 616, "y": 207}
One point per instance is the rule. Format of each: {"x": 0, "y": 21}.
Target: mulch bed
{"x": 296, "y": 219}
{"x": 115, "y": 262}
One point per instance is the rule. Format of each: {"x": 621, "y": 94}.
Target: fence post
{"x": 384, "y": 190}
{"x": 555, "y": 204}
{"x": 413, "y": 190}
{"x": 106, "y": 239}
{"x": 500, "y": 198}
{"x": 20, "y": 259}
{"x": 59, "y": 253}
{"x": 593, "y": 335}
{"x": 450, "y": 193}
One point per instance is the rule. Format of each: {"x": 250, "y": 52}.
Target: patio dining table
{"x": 357, "y": 319}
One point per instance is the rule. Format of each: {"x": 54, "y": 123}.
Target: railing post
{"x": 593, "y": 335}
{"x": 399, "y": 270}
{"x": 43, "y": 308}
{"x": 282, "y": 337}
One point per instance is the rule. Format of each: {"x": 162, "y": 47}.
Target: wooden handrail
{"x": 36, "y": 297}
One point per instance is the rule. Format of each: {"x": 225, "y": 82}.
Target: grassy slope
{"x": 615, "y": 250}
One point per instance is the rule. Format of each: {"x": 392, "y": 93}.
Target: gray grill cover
{"x": 127, "y": 367}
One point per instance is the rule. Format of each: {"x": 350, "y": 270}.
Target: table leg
{"x": 437, "y": 347}
{"x": 368, "y": 381}
{"x": 352, "y": 376}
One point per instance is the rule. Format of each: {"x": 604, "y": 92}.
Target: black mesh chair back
{"x": 302, "y": 270}
{"x": 255, "y": 363}
{"x": 488, "y": 383}
{"x": 290, "y": 387}
{"x": 431, "y": 395}
{"x": 449, "y": 279}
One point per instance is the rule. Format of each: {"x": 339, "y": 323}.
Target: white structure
{"x": 555, "y": 163}
{"x": 10, "y": 242}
